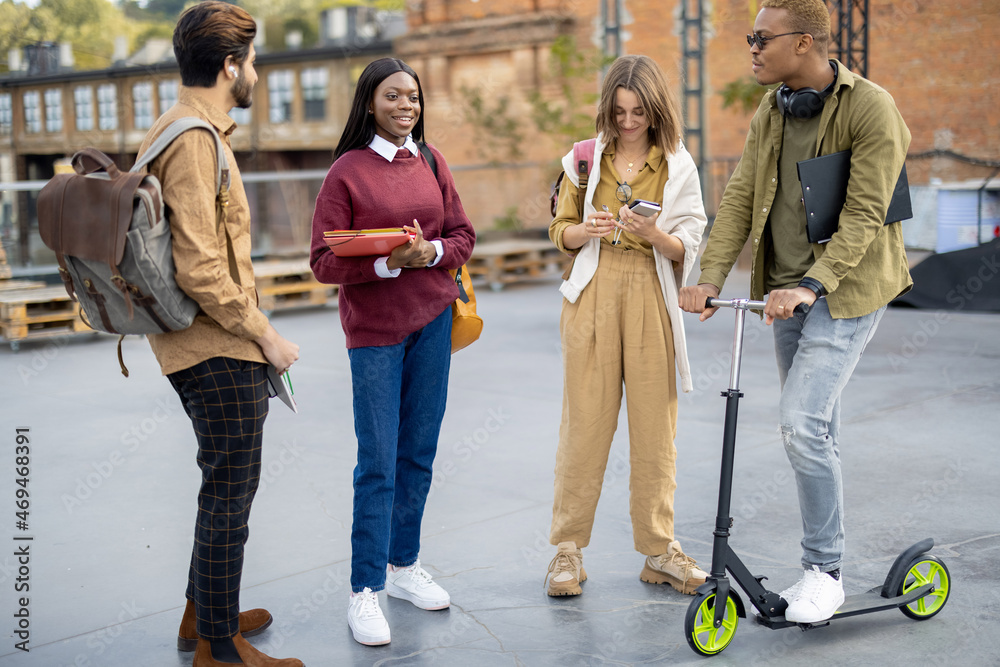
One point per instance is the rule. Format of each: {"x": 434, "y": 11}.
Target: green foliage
{"x": 743, "y": 94}
{"x": 571, "y": 116}
{"x": 309, "y": 27}
{"x": 154, "y": 10}
{"x": 498, "y": 132}
{"x": 563, "y": 118}
{"x": 155, "y": 31}
{"x": 509, "y": 221}
{"x": 91, "y": 26}
{"x": 17, "y": 26}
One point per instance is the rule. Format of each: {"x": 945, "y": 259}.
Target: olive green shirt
{"x": 785, "y": 233}
{"x": 863, "y": 266}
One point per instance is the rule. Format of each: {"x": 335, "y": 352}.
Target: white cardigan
{"x": 682, "y": 215}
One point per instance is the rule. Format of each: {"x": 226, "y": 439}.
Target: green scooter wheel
{"x": 926, "y": 570}
{"x": 699, "y": 624}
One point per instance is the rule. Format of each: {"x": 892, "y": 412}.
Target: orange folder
{"x": 361, "y": 242}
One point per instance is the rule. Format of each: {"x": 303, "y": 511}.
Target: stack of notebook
{"x": 360, "y": 242}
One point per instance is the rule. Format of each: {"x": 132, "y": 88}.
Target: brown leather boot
{"x": 251, "y": 656}
{"x": 252, "y": 623}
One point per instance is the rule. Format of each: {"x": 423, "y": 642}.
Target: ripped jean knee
{"x": 787, "y": 433}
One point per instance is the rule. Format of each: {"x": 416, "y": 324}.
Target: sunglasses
{"x": 762, "y": 41}
{"x": 624, "y": 195}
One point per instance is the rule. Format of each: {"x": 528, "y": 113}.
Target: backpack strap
{"x": 222, "y": 176}
{"x": 583, "y": 156}
{"x": 429, "y": 156}
{"x": 176, "y": 129}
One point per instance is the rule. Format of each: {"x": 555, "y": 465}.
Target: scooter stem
{"x": 741, "y": 306}
{"x": 723, "y": 521}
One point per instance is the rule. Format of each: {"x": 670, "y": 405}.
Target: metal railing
{"x": 281, "y": 207}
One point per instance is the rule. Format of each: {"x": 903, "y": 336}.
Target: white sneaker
{"x": 787, "y": 595}
{"x": 818, "y": 598}
{"x": 414, "y": 584}
{"x": 792, "y": 591}
{"x": 366, "y": 620}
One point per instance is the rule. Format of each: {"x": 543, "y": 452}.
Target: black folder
{"x": 824, "y": 192}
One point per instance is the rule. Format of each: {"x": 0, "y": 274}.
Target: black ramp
{"x": 967, "y": 280}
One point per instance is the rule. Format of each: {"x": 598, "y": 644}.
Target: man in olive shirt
{"x": 821, "y": 108}
{"x": 218, "y": 365}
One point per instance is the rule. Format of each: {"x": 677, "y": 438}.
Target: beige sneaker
{"x": 674, "y": 568}
{"x": 566, "y": 571}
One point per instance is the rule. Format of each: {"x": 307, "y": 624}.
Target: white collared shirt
{"x": 387, "y": 149}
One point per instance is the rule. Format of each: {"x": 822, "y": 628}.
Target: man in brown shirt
{"x": 218, "y": 365}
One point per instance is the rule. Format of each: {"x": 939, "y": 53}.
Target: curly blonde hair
{"x": 810, "y": 16}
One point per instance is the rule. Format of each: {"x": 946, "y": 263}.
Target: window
{"x": 107, "y": 107}
{"x": 168, "y": 95}
{"x": 240, "y": 116}
{"x": 32, "y": 112}
{"x": 142, "y": 105}
{"x": 83, "y": 102}
{"x": 279, "y": 88}
{"x": 6, "y": 113}
{"x": 53, "y": 110}
{"x": 314, "y": 93}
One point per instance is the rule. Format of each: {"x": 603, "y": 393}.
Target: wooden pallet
{"x": 17, "y": 285}
{"x": 289, "y": 283}
{"x": 514, "y": 260}
{"x": 36, "y": 313}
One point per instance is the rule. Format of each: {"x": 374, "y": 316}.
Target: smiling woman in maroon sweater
{"x": 396, "y": 313}
{"x": 365, "y": 190}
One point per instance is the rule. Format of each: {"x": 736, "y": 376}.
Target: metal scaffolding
{"x": 849, "y": 25}
{"x": 693, "y": 76}
{"x": 611, "y": 41}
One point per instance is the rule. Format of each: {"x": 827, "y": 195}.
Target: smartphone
{"x": 645, "y": 208}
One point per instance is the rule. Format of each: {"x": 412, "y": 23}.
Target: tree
{"x": 18, "y": 26}
{"x": 570, "y": 116}
{"x": 91, "y": 26}
{"x": 743, "y": 94}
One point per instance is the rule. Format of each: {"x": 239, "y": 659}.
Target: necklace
{"x": 632, "y": 161}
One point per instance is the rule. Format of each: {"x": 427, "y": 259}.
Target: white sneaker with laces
{"x": 787, "y": 595}
{"x": 364, "y": 615}
{"x": 414, "y": 584}
{"x": 792, "y": 591}
{"x": 818, "y": 598}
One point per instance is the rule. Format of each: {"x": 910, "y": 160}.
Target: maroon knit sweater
{"x": 363, "y": 190}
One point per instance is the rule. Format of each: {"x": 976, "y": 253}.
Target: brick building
{"x": 937, "y": 59}
{"x": 488, "y": 68}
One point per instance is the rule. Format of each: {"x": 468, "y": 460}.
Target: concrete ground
{"x": 113, "y": 483}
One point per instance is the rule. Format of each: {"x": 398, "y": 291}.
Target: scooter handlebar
{"x": 747, "y": 304}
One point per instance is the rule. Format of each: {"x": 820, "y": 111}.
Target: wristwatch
{"x": 814, "y": 285}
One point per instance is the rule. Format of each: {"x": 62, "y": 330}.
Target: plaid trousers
{"x": 227, "y": 401}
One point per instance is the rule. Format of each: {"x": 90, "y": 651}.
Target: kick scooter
{"x": 917, "y": 584}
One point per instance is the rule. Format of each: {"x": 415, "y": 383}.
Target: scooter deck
{"x": 862, "y": 603}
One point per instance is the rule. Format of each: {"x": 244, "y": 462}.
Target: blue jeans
{"x": 399, "y": 399}
{"x": 816, "y": 356}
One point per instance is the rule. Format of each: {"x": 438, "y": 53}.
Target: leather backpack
{"x": 583, "y": 156}
{"x": 112, "y": 239}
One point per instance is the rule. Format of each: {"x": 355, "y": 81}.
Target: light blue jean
{"x": 816, "y": 356}
{"x": 399, "y": 399}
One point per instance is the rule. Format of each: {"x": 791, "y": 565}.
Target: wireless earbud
{"x": 233, "y": 70}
